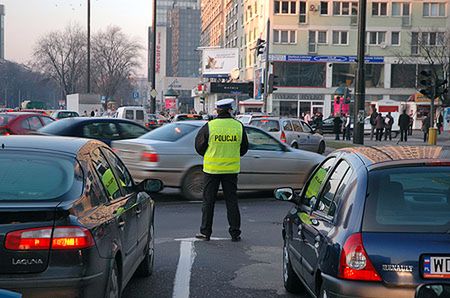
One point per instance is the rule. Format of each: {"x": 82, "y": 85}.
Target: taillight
{"x": 283, "y": 137}
{"x": 149, "y": 157}
{"x": 5, "y": 132}
{"x": 62, "y": 238}
{"x": 355, "y": 263}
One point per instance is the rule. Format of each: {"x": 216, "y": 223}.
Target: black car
{"x": 103, "y": 129}
{"x": 72, "y": 221}
{"x": 370, "y": 222}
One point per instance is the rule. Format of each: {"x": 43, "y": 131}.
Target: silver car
{"x": 168, "y": 153}
{"x": 293, "y": 132}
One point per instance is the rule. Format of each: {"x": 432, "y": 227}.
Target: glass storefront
{"x": 344, "y": 75}
{"x": 295, "y": 74}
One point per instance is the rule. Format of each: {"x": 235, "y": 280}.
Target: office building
{"x": 2, "y": 31}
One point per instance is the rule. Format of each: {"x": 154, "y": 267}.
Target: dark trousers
{"x": 346, "y": 133}
{"x": 425, "y": 136}
{"x": 337, "y": 136}
{"x": 379, "y": 134}
{"x": 403, "y": 135}
{"x": 229, "y": 187}
{"x": 388, "y": 134}
{"x": 410, "y": 130}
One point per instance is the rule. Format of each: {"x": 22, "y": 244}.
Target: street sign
{"x": 154, "y": 93}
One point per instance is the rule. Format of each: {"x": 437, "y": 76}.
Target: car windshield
{"x": 408, "y": 199}
{"x": 56, "y": 127}
{"x": 170, "y": 133}
{"x": 28, "y": 176}
{"x": 62, "y": 115}
{"x": 5, "y": 118}
{"x": 266, "y": 124}
{"x": 189, "y": 117}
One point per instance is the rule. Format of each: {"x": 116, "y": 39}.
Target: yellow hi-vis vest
{"x": 223, "y": 155}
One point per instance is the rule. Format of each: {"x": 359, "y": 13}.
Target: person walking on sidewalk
{"x": 379, "y": 125}
{"x": 346, "y": 128}
{"x": 221, "y": 142}
{"x": 337, "y": 125}
{"x": 425, "y": 127}
{"x": 388, "y": 122}
{"x": 373, "y": 118}
{"x": 403, "y": 122}
{"x": 440, "y": 123}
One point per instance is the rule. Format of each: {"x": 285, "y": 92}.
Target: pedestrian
{"x": 411, "y": 122}
{"x": 307, "y": 118}
{"x": 221, "y": 142}
{"x": 346, "y": 128}
{"x": 425, "y": 127}
{"x": 373, "y": 117}
{"x": 97, "y": 113}
{"x": 440, "y": 123}
{"x": 85, "y": 114}
{"x": 92, "y": 113}
{"x": 388, "y": 122}
{"x": 403, "y": 122}
{"x": 337, "y": 124}
{"x": 379, "y": 125}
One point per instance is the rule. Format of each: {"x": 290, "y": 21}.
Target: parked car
{"x": 168, "y": 153}
{"x": 186, "y": 117}
{"x": 136, "y": 114}
{"x": 293, "y": 132}
{"x": 155, "y": 120}
{"x": 73, "y": 222}
{"x": 22, "y": 123}
{"x": 370, "y": 222}
{"x": 102, "y": 129}
{"x": 62, "y": 114}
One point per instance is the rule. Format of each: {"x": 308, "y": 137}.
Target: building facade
{"x": 163, "y": 7}
{"x": 2, "y": 32}
{"x": 213, "y": 23}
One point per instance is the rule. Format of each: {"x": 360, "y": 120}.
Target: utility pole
{"x": 360, "y": 90}
{"x": 153, "y": 99}
{"x": 88, "y": 47}
{"x": 266, "y": 70}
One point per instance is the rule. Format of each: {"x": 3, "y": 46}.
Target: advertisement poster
{"x": 447, "y": 119}
{"x": 219, "y": 63}
{"x": 171, "y": 103}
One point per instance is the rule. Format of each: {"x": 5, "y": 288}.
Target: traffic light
{"x": 273, "y": 83}
{"x": 426, "y": 82}
{"x": 441, "y": 88}
{"x": 260, "y": 46}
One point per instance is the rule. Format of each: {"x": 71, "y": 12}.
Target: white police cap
{"x": 225, "y": 103}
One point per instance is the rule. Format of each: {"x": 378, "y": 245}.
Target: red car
{"x": 22, "y": 123}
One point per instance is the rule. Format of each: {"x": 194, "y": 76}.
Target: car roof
{"x": 44, "y": 143}
{"x": 23, "y": 113}
{"x": 77, "y": 120}
{"x": 378, "y": 156}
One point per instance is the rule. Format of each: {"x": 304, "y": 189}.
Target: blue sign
{"x": 324, "y": 59}
{"x": 135, "y": 95}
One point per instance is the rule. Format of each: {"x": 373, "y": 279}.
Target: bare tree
{"x": 115, "y": 57}
{"x": 61, "y": 55}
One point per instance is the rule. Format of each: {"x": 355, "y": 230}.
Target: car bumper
{"x": 170, "y": 178}
{"x": 338, "y": 288}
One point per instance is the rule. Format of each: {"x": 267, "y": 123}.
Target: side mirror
{"x": 151, "y": 185}
{"x": 433, "y": 291}
{"x": 286, "y": 194}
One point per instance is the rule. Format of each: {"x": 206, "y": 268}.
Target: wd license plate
{"x": 436, "y": 267}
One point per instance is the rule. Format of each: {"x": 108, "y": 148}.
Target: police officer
{"x": 221, "y": 142}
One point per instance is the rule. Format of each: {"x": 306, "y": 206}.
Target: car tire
{"x": 193, "y": 183}
{"x": 294, "y": 145}
{"x": 113, "y": 289}
{"x": 145, "y": 269}
{"x": 321, "y": 149}
{"x": 291, "y": 280}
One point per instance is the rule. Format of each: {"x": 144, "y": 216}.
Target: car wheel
{"x": 295, "y": 145}
{"x": 113, "y": 289}
{"x": 321, "y": 147}
{"x": 145, "y": 269}
{"x": 291, "y": 281}
{"x": 193, "y": 183}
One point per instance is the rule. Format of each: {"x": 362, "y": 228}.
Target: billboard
{"x": 218, "y": 63}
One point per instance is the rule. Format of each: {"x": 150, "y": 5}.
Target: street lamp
{"x": 88, "y": 87}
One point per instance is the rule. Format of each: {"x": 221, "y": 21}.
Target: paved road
{"x": 220, "y": 268}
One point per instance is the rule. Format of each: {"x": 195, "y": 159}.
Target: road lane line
{"x": 183, "y": 274}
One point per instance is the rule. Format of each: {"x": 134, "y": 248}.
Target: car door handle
{"x": 121, "y": 223}
{"x": 256, "y": 156}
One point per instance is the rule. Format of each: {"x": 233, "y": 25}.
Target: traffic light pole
{"x": 153, "y": 99}
{"x": 266, "y": 70}
{"x": 360, "y": 88}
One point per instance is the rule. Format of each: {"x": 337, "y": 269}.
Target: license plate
{"x": 436, "y": 267}
{"x": 125, "y": 154}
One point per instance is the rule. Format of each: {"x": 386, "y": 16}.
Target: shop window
{"x": 300, "y": 74}
{"x": 403, "y": 76}
{"x": 344, "y": 74}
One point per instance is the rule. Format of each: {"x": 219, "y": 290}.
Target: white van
{"x": 137, "y": 114}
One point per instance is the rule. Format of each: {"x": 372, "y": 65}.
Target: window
{"x": 340, "y": 37}
{"x": 47, "y": 120}
{"x": 129, "y": 114}
{"x": 266, "y": 125}
{"x": 122, "y": 174}
{"x": 287, "y": 125}
{"x": 345, "y": 8}
{"x": 331, "y": 188}
{"x": 101, "y": 130}
{"x": 139, "y": 115}
{"x": 403, "y": 76}
{"x": 400, "y": 9}
{"x": 379, "y": 9}
{"x": 297, "y": 126}
{"x": 434, "y": 9}
{"x": 106, "y": 175}
{"x": 300, "y": 74}
{"x": 284, "y": 7}
{"x": 324, "y": 8}
{"x": 258, "y": 140}
{"x": 285, "y": 36}
{"x": 319, "y": 37}
{"x": 302, "y": 17}
{"x": 376, "y": 38}
{"x": 32, "y": 123}
{"x": 395, "y": 38}
{"x": 306, "y": 127}
{"x": 432, "y": 38}
{"x": 314, "y": 184}
{"x": 414, "y": 43}
{"x": 131, "y": 131}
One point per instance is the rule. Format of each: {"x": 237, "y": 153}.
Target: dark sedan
{"x": 103, "y": 129}
{"x": 72, "y": 221}
{"x": 370, "y": 222}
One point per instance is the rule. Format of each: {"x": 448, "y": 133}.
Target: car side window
{"x": 306, "y": 127}
{"x": 101, "y": 130}
{"x": 124, "y": 177}
{"x": 315, "y": 182}
{"x": 25, "y": 124}
{"x": 34, "y": 123}
{"x": 297, "y": 126}
{"x": 258, "y": 140}
{"x": 332, "y": 187}
{"x": 47, "y": 120}
{"x": 131, "y": 131}
{"x": 107, "y": 177}
{"x": 129, "y": 114}
{"x": 139, "y": 115}
{"x": 287, "y": 125}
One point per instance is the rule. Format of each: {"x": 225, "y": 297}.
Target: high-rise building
{"x": 213, "y": 23}
{"x": 163, "y": 6}
{"x": 2, "y": 32}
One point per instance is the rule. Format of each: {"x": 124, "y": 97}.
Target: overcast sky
{"x": 27, "y": 20}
